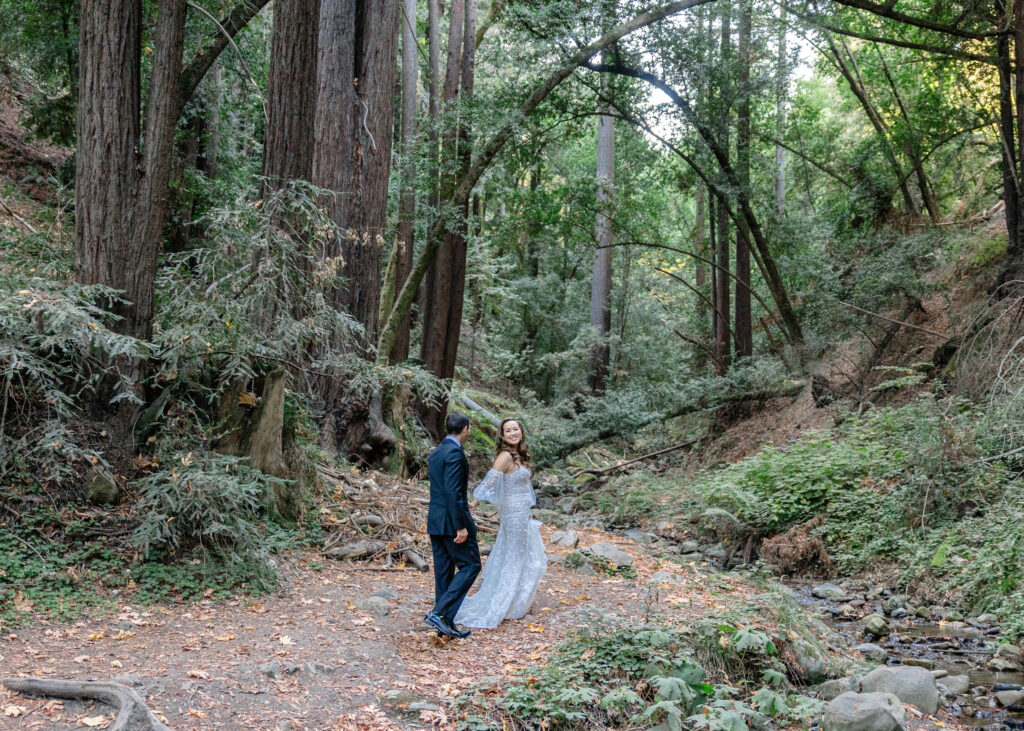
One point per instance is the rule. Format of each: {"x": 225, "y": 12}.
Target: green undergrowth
{"x": 727, "y": 673}
{"x": 905, "y": 487}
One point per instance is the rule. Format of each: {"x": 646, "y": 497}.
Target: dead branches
{"x": 620, "y": 465}
{"x": 132, "y": 713}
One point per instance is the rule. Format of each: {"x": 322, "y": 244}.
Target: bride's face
{"x": 512, "y": 433}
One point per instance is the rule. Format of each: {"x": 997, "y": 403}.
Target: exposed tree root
{"x": 132, "y": 712}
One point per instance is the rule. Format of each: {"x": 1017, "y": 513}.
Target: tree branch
{"x": 237, "y": 19}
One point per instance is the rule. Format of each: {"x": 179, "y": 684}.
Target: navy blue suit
{"x": 448, "y": 471}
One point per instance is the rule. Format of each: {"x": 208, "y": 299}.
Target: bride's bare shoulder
{"x": 504, "y": 462}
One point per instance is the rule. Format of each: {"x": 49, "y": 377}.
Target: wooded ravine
{"x": 749, "y": 274}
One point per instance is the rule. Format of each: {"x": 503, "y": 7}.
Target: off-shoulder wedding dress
{"x": 517, "y": 562}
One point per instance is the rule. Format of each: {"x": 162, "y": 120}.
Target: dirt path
{"x": 320, "y": 655}
{"x": 309, "y": 657}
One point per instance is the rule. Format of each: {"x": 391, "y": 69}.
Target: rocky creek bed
{"x": 979, "y": 678}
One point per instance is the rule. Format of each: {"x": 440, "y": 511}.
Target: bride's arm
{"x": 490, "y": 488}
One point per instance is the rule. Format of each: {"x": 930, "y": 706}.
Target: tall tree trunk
{"x": 433, "y": 133}
{"x": 601, "y": 278}
{"x": 722, "y": 305}
{"x": 122, "y": 195}
{"x": 713, "y": 257}
{"x": 1013, "y": 147}
{"x": 407, "y": 203}
{"x": 781, "y": 94}
{"x": 442, "y": 316}
{"x": 352, "y": 141}
{"x": 291, "y": 93}
{"x": 744, "y": 327}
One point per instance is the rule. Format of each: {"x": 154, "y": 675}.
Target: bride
{"x": 517, "y": 561}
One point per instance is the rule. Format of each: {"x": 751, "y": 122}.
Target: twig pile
{"x": 380, "y": 518}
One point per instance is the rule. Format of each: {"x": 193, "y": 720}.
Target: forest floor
{"x": 308, "y": 657}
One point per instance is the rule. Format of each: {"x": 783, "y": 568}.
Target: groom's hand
{"x": 461, "y": 536}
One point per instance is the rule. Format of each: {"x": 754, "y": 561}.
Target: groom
{"x": 451, "y": 528}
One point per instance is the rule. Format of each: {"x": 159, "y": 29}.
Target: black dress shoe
{"x": 460, "y": 633}
{"x": 441, "y": 625}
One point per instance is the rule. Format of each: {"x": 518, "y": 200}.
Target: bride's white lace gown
{"x": 517, "y": 562}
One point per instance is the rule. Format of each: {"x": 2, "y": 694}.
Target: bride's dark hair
{"x": 520, "y": 452}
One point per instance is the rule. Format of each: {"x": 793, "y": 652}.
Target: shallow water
{"x": 959, "y": 650}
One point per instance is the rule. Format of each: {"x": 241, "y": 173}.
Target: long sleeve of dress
{"x": 490, "y": 489}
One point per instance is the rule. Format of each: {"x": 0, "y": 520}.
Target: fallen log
{"x": 132, "y": 712}
{"x": 605, "y": 470}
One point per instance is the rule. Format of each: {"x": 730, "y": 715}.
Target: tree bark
{"x": 291, "y": 93}
{"x": 352, "y": 141}
{"x": 744, "y": 325}
{"x": 723, "y": 347}
{"x": 601, "y": 279}
{"x": 407, "y": 204}
{"x": 782, "y": 85}
{"x": 442, "y": 316}
{"x": 1013, "y": 149}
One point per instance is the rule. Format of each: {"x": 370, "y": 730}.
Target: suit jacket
{"x": 448, "y": 471}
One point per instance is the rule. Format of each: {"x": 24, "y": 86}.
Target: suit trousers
{"x": 451, "y": 586}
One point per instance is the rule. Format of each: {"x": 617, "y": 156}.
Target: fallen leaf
{"x": 536, "y": 627}
{"x": 286, "y": 640}
{"x": 15, "y": 711}
{"x": 82, "y": 658}
{"x": 224, "y": 638}
{"x": 94, "y": 721}
{"x": 198, "y": 675}
{"x": 122, "y": 635}
{"x": 21, "y": 603}
{"x": 98, "y": 635}
{"x": 115, "y": 664}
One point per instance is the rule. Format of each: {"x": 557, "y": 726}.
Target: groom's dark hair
{"x": 456, "y": 422}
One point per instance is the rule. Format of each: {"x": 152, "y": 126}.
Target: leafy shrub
{"x": 204, "y": 501}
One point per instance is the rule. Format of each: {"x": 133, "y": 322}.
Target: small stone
{"x": 639, "y": 536}
{"x": 954, "y": 684}
{"x": 954, "y": 616}
{"x": 691, "y": 557}
{"x": 270, "y": 669}
{"x": 319, "y": 668}
{"x": 689, "y": 547}
{"x": 876, "y": 625}
{"x": 424, "y": 706}
{"x": 919, "y": 662}
{"x": 872, "y": 651}
{"x": 665, "y": 577}
{"x": 1003, "y": 665}
{"x": 716, "y": 552}
{"x": 1008, "y": 650}
{"x": 553, "y": 558}
{"x": 374, "y": 605}
{"x": 865, "y": 712}
{"x": 103, "y": 489}
{"x": 549, "y": 517}
{"x": 568, "y": 505}
{"x": 385, "y": 593}
{"x": 827, "y": 591}
{"x": 831, "y": 689}
{"x": 923, "y": 612}
{"x": 988, "y": 619}
{"x": 898, "y": 601}
{"x": 565, "y": 538}
{"x": 398, "y": 697}
{"x": 290, "y": 668}
{"x": 898, "y": 613}
{"x": 1009, "y": 697}
{"x": 607, "y": 551}
{"x": 580, "y": 562}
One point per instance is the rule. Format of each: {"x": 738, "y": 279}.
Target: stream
{"x": 947, "y": 648}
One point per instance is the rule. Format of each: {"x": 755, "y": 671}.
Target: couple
{"x": 517, "y": 561}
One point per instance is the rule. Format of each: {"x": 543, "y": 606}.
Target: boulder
{"x": 876, "y": 625}
{"x": 665, "y": 577}
{"x": 988, "y": 619}
{"x": 923, "y": 612}
{"x": 827, "y": 591}
{"x": 872, "y": 651}
{"x": 580, "y": 562}
{"x": 832, "y": 689}
{"x": 954, "y": 684}
{"x": 1007, "y": 698}
{"x": 810, "y": 660}
{"x": 910, "y": 684}
{"x": 609, "y": 552}
{"x": 865, "y": 712}
{"x": 691, "y": 557}
{"x": 954, "y": 616}
{"x": 565, "y": 538}
{"x": 715, "y": 552}
{"x": 386, "y": 593}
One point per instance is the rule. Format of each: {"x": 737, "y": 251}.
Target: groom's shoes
{"x": 443, "y": 627}
{"x": 460, "y": 633}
